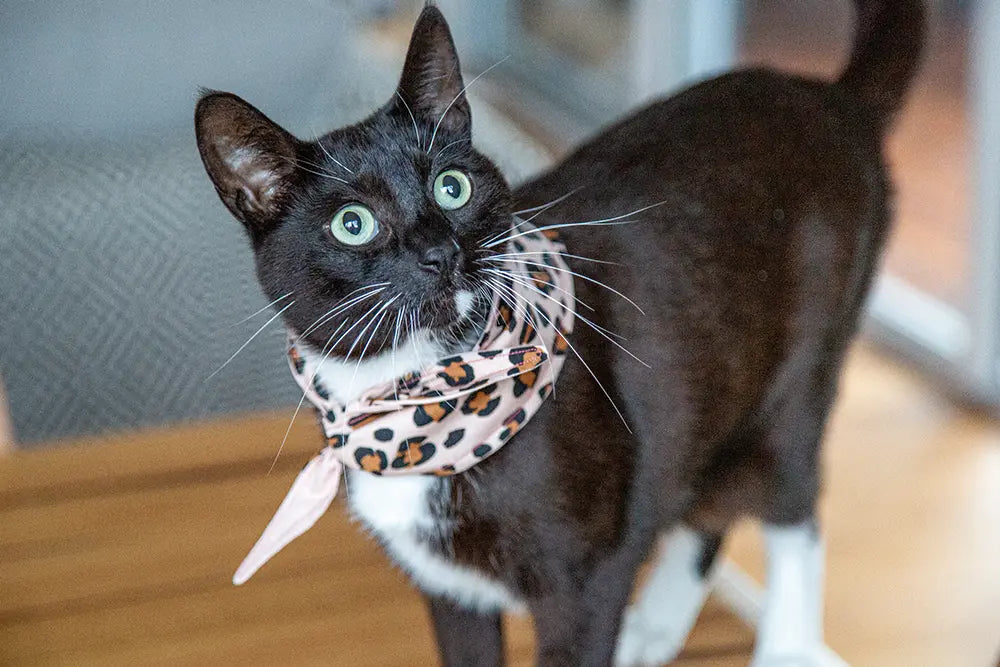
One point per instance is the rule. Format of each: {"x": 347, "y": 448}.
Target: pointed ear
{"x": 250, "y": 159}
{"x": 431, "y": 84}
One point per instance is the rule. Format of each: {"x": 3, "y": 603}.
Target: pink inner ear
{"x": 255, "y": 174}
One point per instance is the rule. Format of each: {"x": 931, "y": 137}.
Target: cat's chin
{"x": 456, "y": 319}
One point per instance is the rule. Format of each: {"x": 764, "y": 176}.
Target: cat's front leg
{"x": 466, "y": 637}
{"x": 577, "y": 624}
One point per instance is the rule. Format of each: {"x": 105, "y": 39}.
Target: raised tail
{"x": 887, "y": 48}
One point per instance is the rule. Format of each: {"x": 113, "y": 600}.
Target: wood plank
{"x": 160, "y": 456}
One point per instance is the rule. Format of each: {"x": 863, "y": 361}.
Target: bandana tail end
{"x": 310, "y": 496}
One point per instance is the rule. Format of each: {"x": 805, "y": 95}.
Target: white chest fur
{"x": 397, "y": 509}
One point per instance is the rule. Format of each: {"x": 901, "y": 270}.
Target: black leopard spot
{"x": 454, "y": 437}
{"x": 505, "y": 316}
{"x": 545, "y": 390}
{"x": 524, "y": 382}
{"x": 482, "y": 450}
{"x": 528, "y": 333}
{"x": 383, "y": 434}
{"x": 408, "y": 381}
{"x": 432, "y": 412}
{"x": 338, "y": 440}
{"x": 412, "y": 452}
{"x": 320, "y": 389}
{"x": 371, "y": 461}
{"x": 480, "y": 403}
{"x": 525, "y": 358}
{"x": 488, "y": 354}
{"x": 513, "y": 424}
{"x": 456, "y": 372}
{"x": 542, "y": 280}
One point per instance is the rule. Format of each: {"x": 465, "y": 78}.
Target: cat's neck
{"x": 346, "y": 379}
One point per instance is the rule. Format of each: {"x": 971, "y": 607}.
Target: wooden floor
{"x": 120, "y": 551}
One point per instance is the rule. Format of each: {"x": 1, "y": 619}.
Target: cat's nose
{"x": 439, "y": 259}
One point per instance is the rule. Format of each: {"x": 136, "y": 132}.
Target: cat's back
{"x": 756, "y": 128}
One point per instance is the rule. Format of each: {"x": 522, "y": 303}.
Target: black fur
{"x": 752, "y": 273}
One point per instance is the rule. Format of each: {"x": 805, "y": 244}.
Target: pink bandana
{"x": 449, "y": 416}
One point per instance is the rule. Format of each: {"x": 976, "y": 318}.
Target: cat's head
{"x": 392, "y": 210}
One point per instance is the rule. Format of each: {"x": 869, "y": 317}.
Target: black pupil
{"x": 352, "y": 222}
{"x": 452, "y": 186}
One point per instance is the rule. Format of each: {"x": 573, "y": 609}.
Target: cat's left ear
{"x": 250, "y": 159}
{"x": 431, "y": 84}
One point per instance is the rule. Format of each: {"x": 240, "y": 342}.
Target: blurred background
{"x": 123, "y": 279}
{"x": 124, "y": 282}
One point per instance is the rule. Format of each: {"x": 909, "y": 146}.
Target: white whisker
{"x": 449, "y": 145}
{"x": 455, "y": 99}
{"x": 384, "y": 311}
{"x": 258, "y": 312}
{"x": 501, "y": 288}
{"x": 556, "y": 253}
{"x": 578, "y": 275}
{"x": 299, "y": 165}
{"x": 312, "y": 379}
{"x": 335, "y": 160}
{"x": 606, "y": 221}
{"x": 341, "y": 307}
{"x": 599, "y": 329}
{"x": 416, "y": 132}
{"x": 585, "y": 365}
{"x": 551, "y": 284}
{"x": 249, "y": 340}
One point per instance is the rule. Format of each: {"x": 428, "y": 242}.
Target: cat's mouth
{"x": 448, "y": 308}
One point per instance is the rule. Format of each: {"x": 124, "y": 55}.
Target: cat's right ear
{"x": 250, "y": 159}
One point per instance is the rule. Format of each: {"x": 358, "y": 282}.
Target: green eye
{"x": 452, "y": 189}
{"x": 354, "y": 225}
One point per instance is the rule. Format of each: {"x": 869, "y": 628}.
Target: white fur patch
{"x": 791, "y": 630}
{"x": 463, "y": 302}
{"x": 656, "y": 627}
{"x": 397, "y": 509}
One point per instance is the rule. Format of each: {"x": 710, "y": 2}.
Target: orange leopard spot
{"x": 371, "y": 463}
{"x": 561, "y": 343}
{"x": 479, "y": 401}
{"x": 435, "y": 411}
{"x": 531, "y": 359}
{"x": 455, "y": 370}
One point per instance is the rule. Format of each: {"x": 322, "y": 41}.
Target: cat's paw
{"x": 645, "y": 644}
{"x": 819, "y": 656}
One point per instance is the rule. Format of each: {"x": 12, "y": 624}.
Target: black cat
{"x": 767, "y": 204}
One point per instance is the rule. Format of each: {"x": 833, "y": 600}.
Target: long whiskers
{"x": 616, "y": 220}
{"x": 249, "y": 340}
{"x": 541, "y": 314}
{"x": 574, "y": 273}
{"x": 335, "y": 160}
{"x": 597, "y": 328}
{"x": 258, "y": 312}
{"x": 455, "y": 99}
{"x": 340, "y": 306}
{"x": 540, "y": 210}
{"x": 327, "y": 351}
{"x": 300, "y": 164}
{"x": 383, "y": 310}
{"x": 413, "y": 118}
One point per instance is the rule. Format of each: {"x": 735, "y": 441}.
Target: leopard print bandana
{"x": 449, "y": 416}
